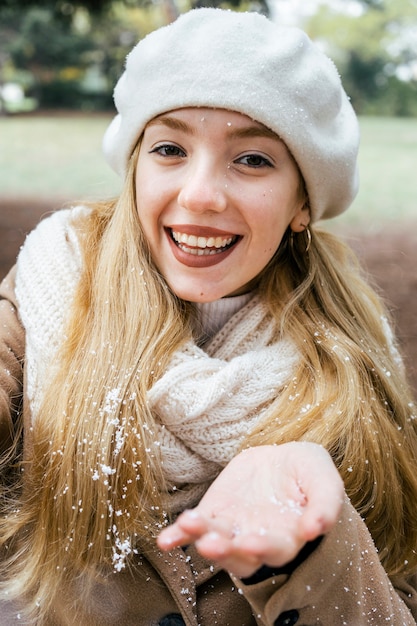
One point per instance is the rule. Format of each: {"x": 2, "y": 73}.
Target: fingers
{"x": 191, "y": 526}
{"x": 325, "y": 494}
{"x": 243, "y": 555}
{"x": 239, "y": 553}
{"x": 188, "y": 527}
{"x": 228, "y": 555}
{"x": 316, "y": 523}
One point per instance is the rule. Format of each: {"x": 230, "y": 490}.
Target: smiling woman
{"x": 211, "y": 176}
{"x": 212, "y": 424}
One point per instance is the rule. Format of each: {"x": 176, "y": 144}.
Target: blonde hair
{"x": 91, "y": 491}
{"x": 349, "y": 393}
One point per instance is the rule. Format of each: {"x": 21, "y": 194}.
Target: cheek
{"x": 147, "y": 203}
{"x": 149, "y": 226}
{"x": 153, "y": 192}
{"x": 268, "y": 224}
{"x": 269, "y": 239}
{"x": 142, "y": 188}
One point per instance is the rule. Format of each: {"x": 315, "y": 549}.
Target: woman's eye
{"x": 168, "y": 150}
{"x": 254, "y": 160}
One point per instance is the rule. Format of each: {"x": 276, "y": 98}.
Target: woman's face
{"x": 216, "y": 192}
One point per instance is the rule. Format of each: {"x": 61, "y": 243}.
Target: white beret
{"x": 244, "y": 62}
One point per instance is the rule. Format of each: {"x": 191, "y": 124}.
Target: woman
{"x": 200, "y": 344}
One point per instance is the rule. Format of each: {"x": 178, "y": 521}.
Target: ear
{"x": 301, "y": 219}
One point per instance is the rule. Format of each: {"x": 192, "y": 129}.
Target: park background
{"x": 59, "y": 61}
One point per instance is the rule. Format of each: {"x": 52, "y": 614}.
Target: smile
{"x": 202, "y": 246}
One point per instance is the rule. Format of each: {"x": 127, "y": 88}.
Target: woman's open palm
{"x": 266, "y": 504}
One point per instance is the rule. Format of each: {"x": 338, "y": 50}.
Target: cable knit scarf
{"x": 207, "y": 400}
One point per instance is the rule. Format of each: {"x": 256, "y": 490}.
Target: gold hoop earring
{"x": 308, "y": 233}
{"x": 307, "y": 230}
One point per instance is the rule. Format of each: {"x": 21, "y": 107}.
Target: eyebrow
{"x": 253, "y": 131}
{"x": 171, "y": 122}
{"x": 236, "y": 133}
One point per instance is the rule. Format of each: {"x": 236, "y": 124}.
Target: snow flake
{"x": 107, "y": 470}
{"x": 121, "y": 551}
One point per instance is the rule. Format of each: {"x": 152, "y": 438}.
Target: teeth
{"x": 198, "y": 245}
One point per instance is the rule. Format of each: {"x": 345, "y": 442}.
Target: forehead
{"x": 186, "y": 119}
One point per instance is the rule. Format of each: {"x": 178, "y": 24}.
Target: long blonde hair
{"x": 91, "y": 491}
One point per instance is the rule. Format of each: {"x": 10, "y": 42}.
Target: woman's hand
{"x": 266, "y": 504}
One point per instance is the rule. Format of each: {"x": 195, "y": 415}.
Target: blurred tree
{"x": 74, "y": 50}
{"x": 375, "y": 52}
{"x": 44, "y": 45}
{"x": 66, "y": 8}
{"x": 73, "y": 56}
{"x": 58, "y": 7}
{"x": 52, "y": 50}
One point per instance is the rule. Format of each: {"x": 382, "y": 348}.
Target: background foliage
{"x": 69, "y": 53}
{"x": 376, "y": 53}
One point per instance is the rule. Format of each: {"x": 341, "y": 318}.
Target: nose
{"x": 204, "y": 188}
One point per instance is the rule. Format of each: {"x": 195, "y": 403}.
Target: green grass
{"x": 55, "y": 157}
{"x": 388, "y": 173}
{"x": 60, "y": 157}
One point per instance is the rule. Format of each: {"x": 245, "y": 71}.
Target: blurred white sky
{"x": 294, "y": 11}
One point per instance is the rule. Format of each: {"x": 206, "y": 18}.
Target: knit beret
{"x": 246, "y": 63}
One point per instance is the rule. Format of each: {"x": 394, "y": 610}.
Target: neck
{"x": 212, "y": 316}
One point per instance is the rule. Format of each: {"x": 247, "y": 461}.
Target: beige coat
{"x": 340, "y": 583}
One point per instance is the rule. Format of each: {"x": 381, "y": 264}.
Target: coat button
{"x": 287, "y": 619}
{"x": 173, "y": 619}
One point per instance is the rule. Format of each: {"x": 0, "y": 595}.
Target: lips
{"x": 201, "y": 249}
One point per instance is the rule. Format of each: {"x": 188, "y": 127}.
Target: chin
{"x": 203, "y": 299}
{"x": 198, "y": 296}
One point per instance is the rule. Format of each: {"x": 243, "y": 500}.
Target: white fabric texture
{"x": 207, "y": 400}
{"x": 212, "y": 316}
{"x": 48, "y": 268}
{"x": 244, "y": 62}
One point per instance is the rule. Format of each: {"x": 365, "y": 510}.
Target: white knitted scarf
{"x": 205, "y": 403}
